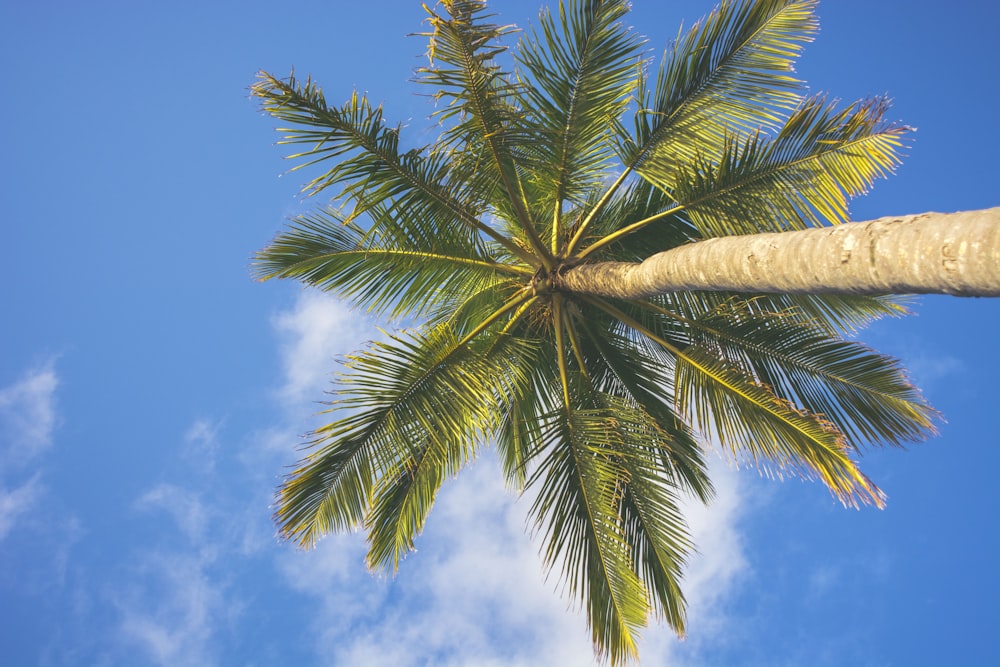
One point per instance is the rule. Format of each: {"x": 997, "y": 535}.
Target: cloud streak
{"x": 313, "y": 334}
{"x": 175, "y": 601}
{"x": 28, "y": 419}
{"x": 28, "y": 415}
{"x": 174, "y": 606}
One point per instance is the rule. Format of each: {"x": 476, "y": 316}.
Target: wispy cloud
{"x": 201, "y": 444}
{"x": 28, "y": 415}
{"x": 174, "y": 606}
{"x": 28, "y": 419}
{"x": 179, "y": 598}
{"x": 175, "y": 598}
{"x": 314, "y": 333}
{"x": 15, "y": 502}
{"x": 183, "y": 505}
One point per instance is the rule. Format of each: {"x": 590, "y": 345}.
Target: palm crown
{"x": 575, "y": 153}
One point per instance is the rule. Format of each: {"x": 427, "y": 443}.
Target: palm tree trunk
{"x": 929, "y": 253}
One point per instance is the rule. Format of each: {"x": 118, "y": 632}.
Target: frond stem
{"x": 575, "y": 345}
{"x": 523, "y": 297}
{"x": 598, "y": 207}
{"x": 625, "y": 231}
{"x": 557, "y": 321}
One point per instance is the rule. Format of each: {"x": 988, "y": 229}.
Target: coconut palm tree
{"x": 565, "y": 158}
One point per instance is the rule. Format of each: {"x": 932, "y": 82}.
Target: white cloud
{"x": 174, "y": 607}
{"x": 28, "y": 419}
{"x": 314, "y": 333}
{"x": 201, "y": 444}
{"x": 15, "y": 502}
{"x": 28, "y": 415}
{"x": 175, "y": 600}
{"x": 178, "y": 600}
{"x": 183, "y": 505}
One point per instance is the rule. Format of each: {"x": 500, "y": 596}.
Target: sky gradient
{"x": 151, "y": 394}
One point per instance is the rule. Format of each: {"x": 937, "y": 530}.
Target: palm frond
{"x": 401, "y": 398}
{"x": 481, "y": 104}
{"x": 369, "y": 167}
{"x": 381, "y": 272}
{"x": 836, "y": 314}
{"x": 864, "y": 393}
{"x": 577, "y": 513}
{"x": 803, "y": 177}
{"x": 625, "y": 208}
{"x": 652, "y": 521}
{"x": 778, "y": 438}
{"x": 519, "y": 438}
{"x": 757, "y": 426}
{"x": 581, "y": 69}
{"x": 731, "y": 72}
{"x": 620, "y": 369}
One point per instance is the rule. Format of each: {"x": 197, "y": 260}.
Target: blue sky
{"x": 151, "y": 393}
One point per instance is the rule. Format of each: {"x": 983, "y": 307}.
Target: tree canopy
{"x": 576, "y": 147}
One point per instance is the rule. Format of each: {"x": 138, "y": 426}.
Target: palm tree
{"x": 553, "y": 165}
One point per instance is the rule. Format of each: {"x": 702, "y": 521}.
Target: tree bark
{"x": 928, "y": 253}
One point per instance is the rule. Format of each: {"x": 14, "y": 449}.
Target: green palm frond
{"x": 619, "y": 368}
{"x": 783, "y": 439}
{"x": 803, "y": 177}
{"x": 369, "y": 166}
{"x": 487, "y": 124}
{"x": 730, "y": 72}
{"x": 778, "y": 437}
{"x": 582, "y": 65}
{"x": 519, "y": 438}
{"x": 836, "y": 314}
{"x": 576, "y": 513}
{"x": 628, "y": 207}
{"x": 865, "y": 393}
{"x": 649, "y": 508}
{"x": 653, "y": 522}
{"x": 400, "y": 398}
{"x": 378, "y": 271}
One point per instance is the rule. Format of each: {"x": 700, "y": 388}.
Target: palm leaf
{"x": 866, "y": 394}
{"x": 803, "y": 177}
{"x": 581, "y": 67}
{"x": 730, "y": 72}
{"x": 781, "y": 438}
{"x": 626, "y": 209}
{"x": 754, "y": 424}
{"x": 652, "y": 522}
{"x": 577, "y": 512}
{"x": 381, "y": 272}
{"x": 369, "y": 165}
{"x": 400, "y": 397}
{"x": 618, "y": 368}
{"x": 480, "y": 96}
